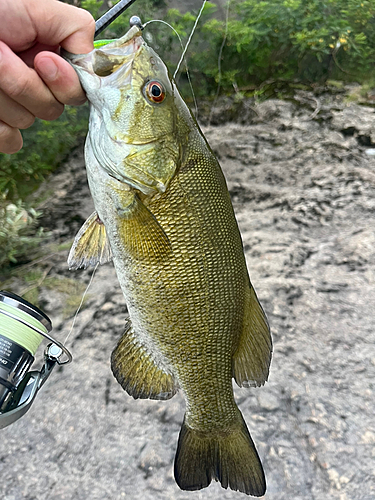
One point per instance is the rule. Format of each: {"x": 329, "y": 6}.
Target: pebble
{"x": 368, "y": 437}
{"x": 268, "y": 401}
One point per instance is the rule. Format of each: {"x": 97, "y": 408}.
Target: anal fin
{"x": 90, "y": 245}
{"x": 137, "y": 372}
{"x": 251, "y": 360}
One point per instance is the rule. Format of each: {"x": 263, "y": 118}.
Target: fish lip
{"x": 128, "y": 44}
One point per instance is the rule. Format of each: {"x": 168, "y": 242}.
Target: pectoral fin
{"x": 140, "y": 233}
{"x": 137, "y": 370}
{"x": 91, "y": 245}
{"x": 252, "y": 358}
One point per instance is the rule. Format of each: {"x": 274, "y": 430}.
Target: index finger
{"x": 50, "y": 22}
{"x": 63, "y": 24}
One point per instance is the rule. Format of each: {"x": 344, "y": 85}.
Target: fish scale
{"x": 194, "y": 318}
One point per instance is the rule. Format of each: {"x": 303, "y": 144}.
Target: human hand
{"x": 34, "y": 80}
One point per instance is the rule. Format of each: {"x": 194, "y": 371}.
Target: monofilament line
{"x": 187, "y": 69}
{"x": 80, "y": 305}
{"x": 189, "y": 40}
{"x": 164, "y": 22}
{"x": 219, "y": 61}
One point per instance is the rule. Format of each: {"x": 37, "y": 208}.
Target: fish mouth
{"x": 110, "y": 57}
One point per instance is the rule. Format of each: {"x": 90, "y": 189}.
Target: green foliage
{"x": 17, "y": 234}
{"x": 310, "y": 40}
{"x": 45, "y": 145}
{"x": 93, "y": 6}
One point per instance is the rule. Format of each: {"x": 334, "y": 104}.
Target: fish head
{"x": 136, "y": 129}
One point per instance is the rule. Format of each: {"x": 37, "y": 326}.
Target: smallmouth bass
{"x": 164, "y": 215}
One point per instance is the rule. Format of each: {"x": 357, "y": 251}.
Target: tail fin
{"x": 229, "y": 457}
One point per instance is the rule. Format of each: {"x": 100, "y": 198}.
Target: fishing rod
{"x": 103, "y": 22}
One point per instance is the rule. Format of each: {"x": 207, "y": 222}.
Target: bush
{"x": 306, "y": 39}
{"x": 17, "y": 231}
{"x": 46, "y": 144}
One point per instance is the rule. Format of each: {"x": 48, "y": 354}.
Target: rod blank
{"x": 107, "y": 18}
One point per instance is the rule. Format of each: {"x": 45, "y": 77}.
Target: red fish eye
{"x": 155, "y": 91}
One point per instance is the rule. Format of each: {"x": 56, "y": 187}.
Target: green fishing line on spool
{"x": 18, "y": 332}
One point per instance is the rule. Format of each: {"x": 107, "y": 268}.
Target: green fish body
{"x": 163, "y": 213}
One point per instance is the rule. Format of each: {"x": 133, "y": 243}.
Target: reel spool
{"x": 23, "y": 326}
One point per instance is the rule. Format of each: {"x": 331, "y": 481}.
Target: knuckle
{"x": 88, "y": 20}
{"x": 10, "y": 139}
{"x": 79, "y": 101}
{"x": 18, "y": 88}
{"x": 76, "y": 99}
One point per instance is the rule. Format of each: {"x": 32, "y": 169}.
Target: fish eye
{"x": 155, "y": 91}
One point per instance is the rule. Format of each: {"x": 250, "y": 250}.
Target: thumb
{"x": 60, "y": 78}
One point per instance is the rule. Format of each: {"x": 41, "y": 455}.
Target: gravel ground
{"x": 303, "y": 184}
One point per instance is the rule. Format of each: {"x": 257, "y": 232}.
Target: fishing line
{"x": 80, "y": 305}
{"x": 219, "y": 61}
{"x": 165, "y": 22}
{"x": 186, "y": 65}
{"x": 189, "y": 39}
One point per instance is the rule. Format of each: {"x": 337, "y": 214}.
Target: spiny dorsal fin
{"x": 137, "y": 372}
{"x": 251, "y": 360}
{"x": 91, "y": 245}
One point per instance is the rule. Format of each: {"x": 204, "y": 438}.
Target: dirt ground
{"x": 301, "y": 174}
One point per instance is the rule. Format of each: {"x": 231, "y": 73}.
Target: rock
{"x": 358, "y": 120}
{"x": 154, "y": 456}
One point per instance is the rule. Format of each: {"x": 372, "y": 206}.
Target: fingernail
{"x": 47, "y": 68}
